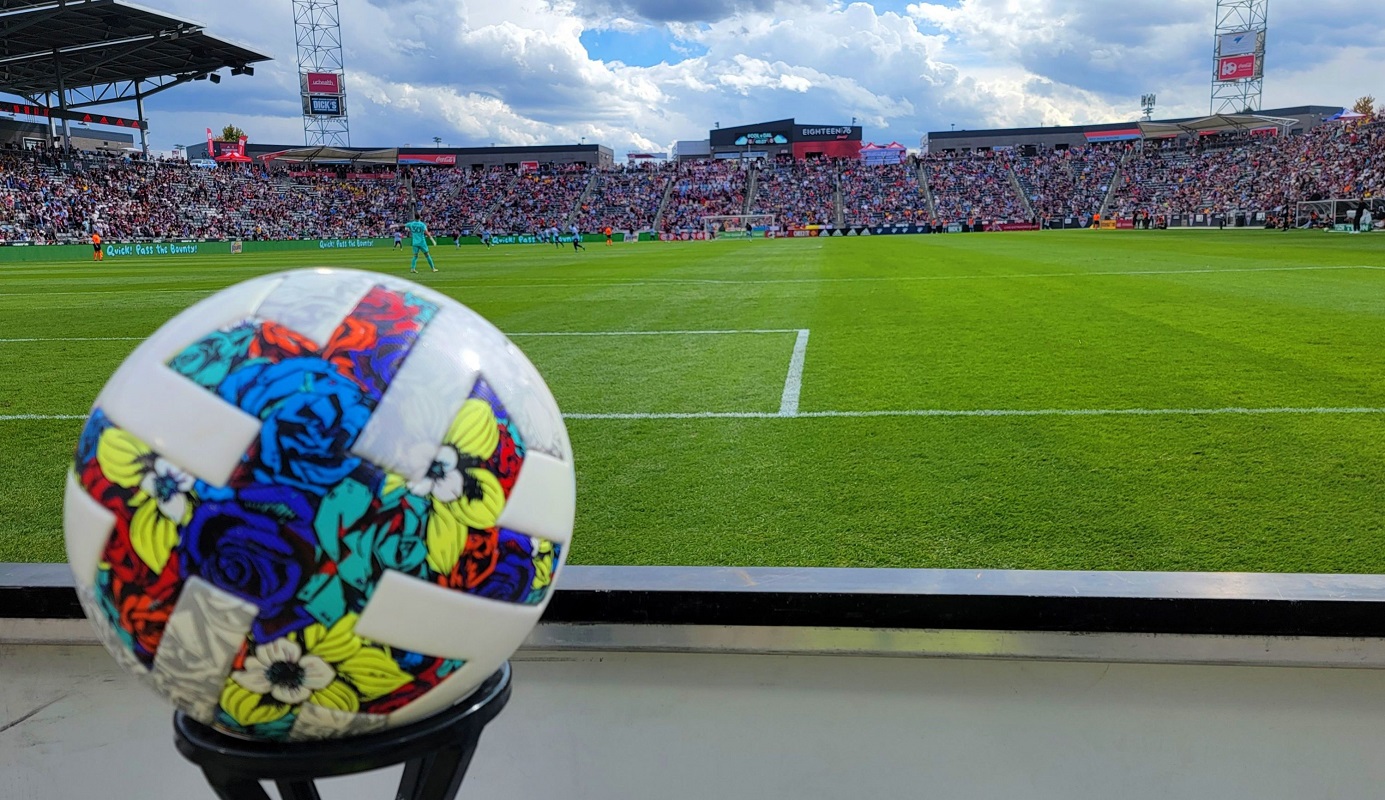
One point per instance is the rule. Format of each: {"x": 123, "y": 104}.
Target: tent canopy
{"x": 233, "y": 158}
{"x": 335, "y": 155}
{"x": 1217, "y": 123}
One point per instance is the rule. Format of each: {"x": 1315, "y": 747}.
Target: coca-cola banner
{"x": 436, "y": 159}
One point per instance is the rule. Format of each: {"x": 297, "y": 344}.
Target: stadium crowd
{"x": 625, "y": 199}
{"x": 972, "y": 187}
{"x": 44, "y": 199}
{"x": 704, "y": 188}
{"x": 883, "y": 194}
{"x": 798, "y": 192}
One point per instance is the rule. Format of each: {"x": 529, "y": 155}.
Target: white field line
{"x": 73, "y": 339}
{"x": 658, "y": 333}
{"x": 793, "y": 382}
{"x": 766, "y": 281}
{"x": 984, "y": 412}
{"x": 511, "y": 335}
{"x": 923, "y": 412}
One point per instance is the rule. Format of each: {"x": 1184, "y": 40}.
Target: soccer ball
{"x": 319, "y": 504}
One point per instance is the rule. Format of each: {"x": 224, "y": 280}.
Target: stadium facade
{"x": 35, "y": 135}
{"x": 1071, "y": 136}
{"x": 781, "y": 137}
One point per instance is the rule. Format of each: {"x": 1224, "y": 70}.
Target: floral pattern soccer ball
{"x": 319, "y": 504}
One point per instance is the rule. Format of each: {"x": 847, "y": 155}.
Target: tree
{"x": 231, "y": 133}
{"x": 1365, "y": 105}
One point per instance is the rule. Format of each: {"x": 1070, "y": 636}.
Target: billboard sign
{"x": 1237, "y": 68}
{"x": 323, "y": 105}
{"x": 827, "y": 133}
{"x": 1243, "y": 43}
{"x": 439, "y": 159}
{"x": 760, "y": 138}
{"x": 322, "y": 83}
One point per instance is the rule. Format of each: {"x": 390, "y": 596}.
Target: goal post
{"x": 734, "y": 226}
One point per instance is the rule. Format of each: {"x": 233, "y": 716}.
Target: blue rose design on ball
{"x": 312, "y": 415}
{"x": 259, "y": 547}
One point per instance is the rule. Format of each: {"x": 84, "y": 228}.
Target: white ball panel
{"x": 406, "y": 428}
{"x": 544, "y": 500}
{"x": 181, "y": 421}
{"x": 200, "y": 641}
{"x": 313, "y": 302}
{"x": 422, "y": 617}
{"x": 87, "y": 527}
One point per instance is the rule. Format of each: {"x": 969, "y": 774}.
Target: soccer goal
{"x": 738, "y": 226}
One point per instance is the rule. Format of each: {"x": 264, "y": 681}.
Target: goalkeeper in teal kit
{"x": 418, "y": 229}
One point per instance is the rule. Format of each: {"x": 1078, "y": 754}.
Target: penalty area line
{"x": 793, "y": 382}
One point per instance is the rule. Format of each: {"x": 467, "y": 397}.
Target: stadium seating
{"x": 704, "y": 188}
{"x": 798, "y": 192}
{"x": 43, "y": 200}
{"x": 882, "y": 194}
{"x": 973, "y": 186}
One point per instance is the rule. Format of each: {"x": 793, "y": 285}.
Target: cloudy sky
{"x": 640, "y": 74}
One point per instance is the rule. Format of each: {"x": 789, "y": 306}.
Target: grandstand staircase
{"x": 499, "y": 198}
{"x": 752, "y": 184}
{"x": 838, "y": 211}
{"x": 663, "y": 204}
{"x": 1019, "y": 192}
{"x": 927, "y": 193}
{"x": 1115, "y": 183}
{"x": 581, "y": 200}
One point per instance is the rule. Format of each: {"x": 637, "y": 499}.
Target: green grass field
{"x": 899, "y": 328}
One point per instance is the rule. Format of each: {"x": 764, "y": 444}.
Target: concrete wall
{"x": 612, "y": 726}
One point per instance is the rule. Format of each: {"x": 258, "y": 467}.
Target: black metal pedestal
{"x": 435, "y": 752}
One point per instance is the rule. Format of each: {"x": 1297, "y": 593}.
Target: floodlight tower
{"x": 1238, "y": 55}
{"x": 1147, "y": 102}
{"x": 321, "y": 74}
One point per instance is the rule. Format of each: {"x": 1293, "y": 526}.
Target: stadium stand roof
{"x": 101, "y": 51}
{"x": 1217, "y": 123}
{"x": 322, "y": 154}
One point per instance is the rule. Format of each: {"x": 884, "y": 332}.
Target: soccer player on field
{"x": 96, "y": 245}
{"x": 607, "y": 231}
{"x": 577, "y": 239}
{"x": 398, "y": 240}
{"x": 418, "y": 229}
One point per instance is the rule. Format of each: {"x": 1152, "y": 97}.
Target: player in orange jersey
{"x": 607, "y": 231}
{"x": 96, "y": 246}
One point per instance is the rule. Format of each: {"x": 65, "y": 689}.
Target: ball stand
{"x": 435, "y": 752}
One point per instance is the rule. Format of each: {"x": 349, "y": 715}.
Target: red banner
{"x": 324, "y": 83}
{"x": 1017, "y": 226}
{"x": 74, "y": 116}
{"x": 439, "y": 159}
{"x": 1235, "y": 68}
{"x": 1125, "y": 224}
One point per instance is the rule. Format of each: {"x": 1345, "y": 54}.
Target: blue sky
{"x": 640, "y": 74}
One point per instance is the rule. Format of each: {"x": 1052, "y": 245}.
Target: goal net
{"x": 738, "y": 226}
